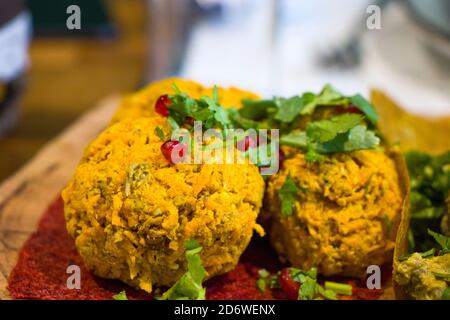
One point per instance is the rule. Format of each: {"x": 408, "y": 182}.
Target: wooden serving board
{"x": 26, "y": 195}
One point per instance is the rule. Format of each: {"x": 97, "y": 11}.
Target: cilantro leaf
{"x": 160, "y": 133}
{"x": 286, "y": 195}
{"x": 288, "y": 109}
{"x": 242, "y": 122}
{"x": 206, "y": 109}
{"x": 326, "y": 130}
{"x": 307, "y": 289}
{"x": 189, "y": 286}
{"x": 327, "y": 97}
{"x": 257, "y": 109}
{"x": 296, "y": 139}
{"x": 426, "y": 254}
{"x": 362, "y": 104}
{"x": 357, "y": 138}
{"x": 442, "y": 240}
{"x": 446, "y": 294}
{"x": 263, "y": 279}
{"x": 430, "y": 187}
{"x": 172, "y": 123}
{"x": 339, "y": 288}
{"x": 122, "y": 295}
{"x": 312, "y": 154}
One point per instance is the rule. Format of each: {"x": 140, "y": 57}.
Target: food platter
{"x": 216, "y": 244}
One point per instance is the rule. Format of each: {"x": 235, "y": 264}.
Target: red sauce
{"x": 40, "y": 272}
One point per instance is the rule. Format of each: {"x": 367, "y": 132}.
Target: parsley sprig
{"x": 309, "y": 288}
{"x": 205, "y": 109}
{"x": 342, "y": 133}
{"x": 287, "y": 194}
{"x": 443, "y": 242}
{"x": 189, "y": 286}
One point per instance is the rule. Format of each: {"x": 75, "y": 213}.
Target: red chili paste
{"x": 40, "y": 272}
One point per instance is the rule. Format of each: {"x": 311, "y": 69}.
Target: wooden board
{"x": 25, "y": 196}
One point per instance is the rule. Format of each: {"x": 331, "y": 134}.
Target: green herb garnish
{"x": 430, "y": 186}
{"x": 160, "y": 133}
{"x": 120, "y": 296}
{"x": 189, "y": 286}
{"x": 286, "y": 111}
{"x": 286, "y": 195}
{"x": 263, "y": 279}
{"x": 446, "y": 294}
{"x": 205, "y": 109}
{"x": 442, "y": 276}
{"x": 427, "y": 254}
{"x": 442, "y": 240}
{"x": 339, "y": 288}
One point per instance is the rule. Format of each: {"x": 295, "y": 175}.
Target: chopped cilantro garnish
{"x": 339, "y": 134}
{"x": 326, "y": 130}
{"x": 120, "y": 296}
{"x": 446, "y": 294}
{"x": 430, "y": 186}
{"x": 426, "y": 254}
{"x": 357, "y": 138}
{"x": 296, "y": 139}
{"x": 442, "y": 276}
{"x": 205, "y": 109}
{"x": 342, "y": 133}
{"x": 339, "y": 288}
{"x": 287, "y": 196}
{"x": 442, "y": 240}
{"x": 189, "y": 286}
{"x": 160, "y": 133}
{"x": 362, "y": 104}
{"x": 263, "y": 279}
{"x": 288, "y": 109}
{"x": 307, "y": 289}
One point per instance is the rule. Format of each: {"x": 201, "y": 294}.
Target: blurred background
{"x": 50, "y": 75}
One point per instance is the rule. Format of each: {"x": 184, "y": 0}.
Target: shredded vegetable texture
{"x": 430, "y": 186}
{"x": 309, "y": 288}
{"x": 189, "y": 286}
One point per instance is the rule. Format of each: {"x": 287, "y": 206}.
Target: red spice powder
{"x": 40, "y": 272}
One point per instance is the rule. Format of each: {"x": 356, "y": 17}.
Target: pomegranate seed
{"x": 249, "y": 142}
{"x": 168, "y": 147}
{"x": 162, "y": 105}
{"x": 348, "y": 109}
{"x": 288, "y": 285}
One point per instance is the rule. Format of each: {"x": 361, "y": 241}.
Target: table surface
{"x": 68, "y": 76}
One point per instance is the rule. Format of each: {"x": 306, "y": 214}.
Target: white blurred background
{"x": 278, "y": 47}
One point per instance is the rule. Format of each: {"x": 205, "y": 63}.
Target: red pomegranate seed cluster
{"x": 162, "y": 105}
{"x": 289, "y": 285}
{"x": 168, "y": 147}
